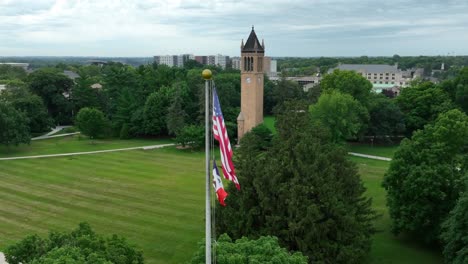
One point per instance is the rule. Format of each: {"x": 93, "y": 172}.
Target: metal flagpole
{"x": 207, "y": 76}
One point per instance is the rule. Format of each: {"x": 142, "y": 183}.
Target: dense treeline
{"x": 36, "y": 62}
{"x": 309, "y": 66}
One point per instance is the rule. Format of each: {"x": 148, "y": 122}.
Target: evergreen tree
{"x": 176, "y": 115}
{"x": 303, "y": 190}
{"x": 155, "y": 112}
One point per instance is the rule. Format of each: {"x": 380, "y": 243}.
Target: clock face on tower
{"x": 247, "y": 79}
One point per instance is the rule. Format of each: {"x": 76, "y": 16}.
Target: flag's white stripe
{"x": 223, "y": 157}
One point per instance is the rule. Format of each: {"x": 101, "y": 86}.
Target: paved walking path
{"x": 89, "y": 152}
{"x": 48, "y": 135}
{"x": 369, "y": 156}
{"x": 54, "y": 136}
{"x": 2, "y": 259}
{"x": 147, "y": 148}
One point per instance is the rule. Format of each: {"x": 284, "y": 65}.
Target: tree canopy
{"x": 265, "y": 249}
{"x": 386, "y": 118}
{"x": 91, "y": 122}
{"x": 341, "y": 113}
{"x": 80, "y": 246}
{"x": 14, "y": 126}
{"x": 348, "y": 82}
{"x": 54, "y": 88}
{"x": 425, "y": 176}
{"x": 455, "y": 233}
{"x": 31, "y": 105}
{"x": 421, "y": 103}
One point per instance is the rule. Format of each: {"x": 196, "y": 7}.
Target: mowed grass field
{"x": 76, "y": 143}
{"x": 154, "y": 198}
{"x": 387, "y": 248}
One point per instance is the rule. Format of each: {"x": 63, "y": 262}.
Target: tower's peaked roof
{"x": 252, "y": 44}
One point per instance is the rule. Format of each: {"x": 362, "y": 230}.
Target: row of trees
{"x": 150, "y": 100}
{"x": 348, "y": 107}
{"x": 309, "y": 66}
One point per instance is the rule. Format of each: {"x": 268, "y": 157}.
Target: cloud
{"x": 150, "y": 27}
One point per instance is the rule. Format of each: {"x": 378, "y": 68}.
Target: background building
{"x": 252, "y": 74}
{"x": 380, "y": 74}
{"x": 173, "y": 60}
{"x": 235, "y": 63}
{"x": 219, "y": 60}
{"x": 25, "y": 66}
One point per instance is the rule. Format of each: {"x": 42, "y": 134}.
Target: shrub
{"x": 81, "y": 246}
{"x": 264, "y": 250}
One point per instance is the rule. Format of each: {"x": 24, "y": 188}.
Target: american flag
{"x": 221, "y": 135}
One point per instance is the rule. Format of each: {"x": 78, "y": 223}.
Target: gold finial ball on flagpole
{"x": 206, "y": 74}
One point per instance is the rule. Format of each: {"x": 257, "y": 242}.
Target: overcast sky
{"x": 290, "y": 28}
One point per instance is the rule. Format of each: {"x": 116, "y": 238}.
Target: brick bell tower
{"x": 251, "y": 114}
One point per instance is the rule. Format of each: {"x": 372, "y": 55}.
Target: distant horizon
{"x": 152, "y": 56}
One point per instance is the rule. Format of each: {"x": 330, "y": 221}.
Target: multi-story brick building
{"x": 379, "y": 74}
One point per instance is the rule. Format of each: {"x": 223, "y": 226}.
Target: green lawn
{"x": 383, "y": 151}
{"x": 76, "y": 143}
{"x": 154, "y": 198}
{"x": 387, "y": 248}
{"x": 269, "y": 121}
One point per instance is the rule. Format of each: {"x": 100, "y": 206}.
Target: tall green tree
{"x": 14, "y": 126}
{"x": 264, "y": 250}
{"x": 155, "y": 112}
{"x": 386, "y": 118}
{"x": 421, "y": 103}
{"x": 341, "y": 113}
{"x": 176, "y": 115}
{"x": 286, "y": 90}
{"x": 31, "y": 105}
{"x": 348, "y": 82}
{"x": 455, "y": 233}
{"x": 425, "y": 176}
{"x": 303, "y": 190}
{"x": 91, "y": 122}
{"x": 54, "y": 89}
{"x": 83, "y": 95}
